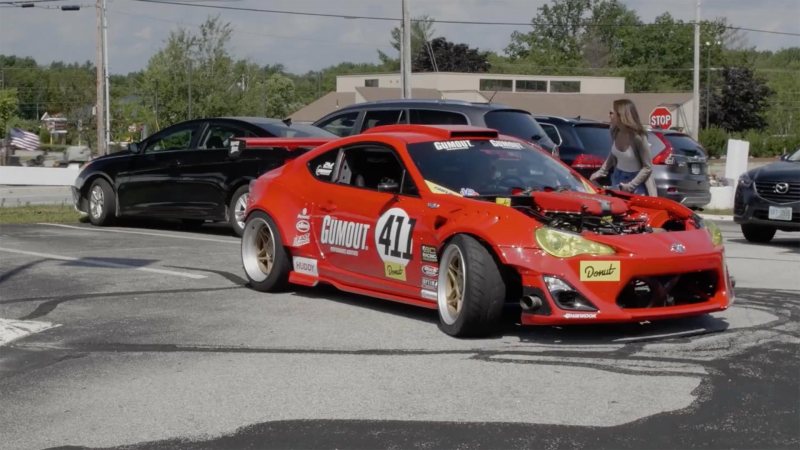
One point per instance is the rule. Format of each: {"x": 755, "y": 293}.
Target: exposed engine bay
{"x": 604, "y": 214}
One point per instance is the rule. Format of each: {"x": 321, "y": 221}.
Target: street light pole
{"x": 696, "y": 77}
{"x": 708, "y": 79}
{"x": 101, "y": 88}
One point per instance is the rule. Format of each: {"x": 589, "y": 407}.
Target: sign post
{"x": 661, "y": 117}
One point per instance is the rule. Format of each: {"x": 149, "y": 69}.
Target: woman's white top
{"x": 627, "y": 160}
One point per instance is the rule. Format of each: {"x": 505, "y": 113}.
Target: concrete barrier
{"x": 38, "y": 176}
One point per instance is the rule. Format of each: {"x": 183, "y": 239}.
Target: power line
{"x": 458, "y": 22}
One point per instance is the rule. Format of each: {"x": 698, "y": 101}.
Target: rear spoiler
{"x": 291, "y": 144}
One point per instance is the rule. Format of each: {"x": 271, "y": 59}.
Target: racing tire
{"x": 265, "y": 260}
{"x": 758, "y": 233}
{"x": 102, "y": 203}
{"x": 471, "y": 290}
{"x": 237, "y": 209}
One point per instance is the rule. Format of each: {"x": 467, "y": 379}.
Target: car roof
{"x": 570, "y": 120}
{"x": 443, "y": 104}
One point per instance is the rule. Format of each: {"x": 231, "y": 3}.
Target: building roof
{"x": 590, "y": 106}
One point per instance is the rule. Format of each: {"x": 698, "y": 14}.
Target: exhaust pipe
{"x": 530, "y": 303}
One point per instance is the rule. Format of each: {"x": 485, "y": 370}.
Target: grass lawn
{"x": 717, "y": 212}
{"x": 39, "y": 213}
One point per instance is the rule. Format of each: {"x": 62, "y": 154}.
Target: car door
{"x": 367, "y": 222}
{"x": 149, "y": 184}
{"x": 207, "y": 172}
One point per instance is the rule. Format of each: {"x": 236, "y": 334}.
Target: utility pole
{"x": 107, "y": 98}
{"x": 405, "y": 53}
{"x": 102, "y": 149}
{"x": 190, "y": 89}
{"x": 696, "y": 81}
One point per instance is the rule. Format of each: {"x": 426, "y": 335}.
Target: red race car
{"x": 462, "y": 220}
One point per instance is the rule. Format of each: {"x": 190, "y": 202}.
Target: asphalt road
{"x": 147, "y": 337}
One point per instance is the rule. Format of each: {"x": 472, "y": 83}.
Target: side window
{"x": 322, "y": 166}
{"x": 552, "y": 132}
{"x": 219, "y": 136}
{"x": 655, "y": 144}
{"x": 374, "y": 168}
{"x": 179, "y": 139}
{"x": 430, "y": 117}
{"x": 384, "y": 117}
{"x": 341, "y": 125}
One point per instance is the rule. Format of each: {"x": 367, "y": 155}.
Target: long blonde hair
{"x": 627, "y": 118}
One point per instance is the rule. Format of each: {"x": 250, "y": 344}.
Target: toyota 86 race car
{"x": 463, "y": 220}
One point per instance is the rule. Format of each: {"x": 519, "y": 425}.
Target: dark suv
{"x": 680, "y": 166}
{"x": 356, "y": 118}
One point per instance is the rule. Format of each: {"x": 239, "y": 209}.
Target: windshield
{"x": 491, "y": 167}
{"x": 795, "y": 157}
{"x": 519, "y": 124}
{"x": 295, "y": 130}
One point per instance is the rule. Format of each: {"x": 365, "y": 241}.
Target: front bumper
{"x": 678, "y": 285}
{"x": 78, "y": 201}
{"x": 750, "y": 208}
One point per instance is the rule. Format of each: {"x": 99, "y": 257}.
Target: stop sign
{"x": 661, "y": 118}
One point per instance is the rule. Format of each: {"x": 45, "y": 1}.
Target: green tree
{"x": 741, "y": 102}
{"x": 280, "y": 96}
{"x": 421, "y": 33}
{"x": 9, "y": 105}
{"x": 445, "y": 56}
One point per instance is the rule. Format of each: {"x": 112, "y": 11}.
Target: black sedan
{"x": 768, "y": 199}
{"x": 186, "y": 172}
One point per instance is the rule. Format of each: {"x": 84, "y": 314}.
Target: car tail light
{"x": 586, "y": 161}
{"x": 664, "y": 157}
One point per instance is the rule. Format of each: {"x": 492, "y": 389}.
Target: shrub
{"x": 714, "y": 140}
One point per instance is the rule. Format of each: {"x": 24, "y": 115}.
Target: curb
{"x": 717, "y": 217}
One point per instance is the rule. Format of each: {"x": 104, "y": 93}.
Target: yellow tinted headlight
{"x": 564, "y": 245}
{"x": 714, "y": 231}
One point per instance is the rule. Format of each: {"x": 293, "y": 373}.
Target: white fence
{"x": 38, "y": 176}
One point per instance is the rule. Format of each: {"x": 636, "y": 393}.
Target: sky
{"x": 137, "y": 30}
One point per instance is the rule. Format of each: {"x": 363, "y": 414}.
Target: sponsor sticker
{"x": 302, "y": 226}
{"x": 428, "y": 295}
{"x": 429, "y": 254}
{"x": 301, "y": 240}
{"x": 430, "y": 271}
{"x": 452, "y": 145}
{"x": 468, "y": 192}
{"x": 580, "y": 315}
{"x": 505, "y": 201}
{"x": 509, "y": 145}
{"x": 600, "y": 270}
{"x": 394, "y": 270}
{"x": 324, "y": 170}
{"x": 437, "y": 189}
{"x": 343, "y": 236}
{"x": 307, "y": 266}
{"x": 431, "y": 283}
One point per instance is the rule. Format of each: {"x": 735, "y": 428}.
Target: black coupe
{"x": 768, "y": 199}
{"x": 186, "y": 171}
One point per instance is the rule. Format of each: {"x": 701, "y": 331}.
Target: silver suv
{"x": 356, "y": 118}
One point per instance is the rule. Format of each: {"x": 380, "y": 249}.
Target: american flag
{"x": 24, "y": 139}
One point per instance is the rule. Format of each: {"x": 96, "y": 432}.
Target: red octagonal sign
{"x": 661, "y": 118}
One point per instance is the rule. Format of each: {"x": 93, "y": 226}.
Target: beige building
{"x": 587, "y": 97}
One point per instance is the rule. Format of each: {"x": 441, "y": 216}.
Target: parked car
{"x": 768, "y": 199}
{"x": 359, "y": 117}
{"x": 186, "y": 171}
{"x": 462, "y": 220}
{"x": 680, "y": 164}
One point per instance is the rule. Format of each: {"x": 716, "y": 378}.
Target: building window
{"x": 531, "y": 86}
{"x": 372, "y": 82}
{"x": 495, "y": 85}
{"x": 565, "y": 86}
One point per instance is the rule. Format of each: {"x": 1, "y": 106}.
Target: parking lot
{"x": 146, "y": 336}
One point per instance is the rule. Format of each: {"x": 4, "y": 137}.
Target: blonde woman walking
{"x": 629, "y": 161}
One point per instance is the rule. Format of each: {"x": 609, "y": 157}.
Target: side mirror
{"x": 785, "y": 157}
{"x": 388, "y": 185}
{"x": 236, "y": 149}
{"x": 134, "y": 147}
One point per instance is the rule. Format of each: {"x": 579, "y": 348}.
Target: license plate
{"x": 695, "y": 169}
{"x": 776, "y": 213}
